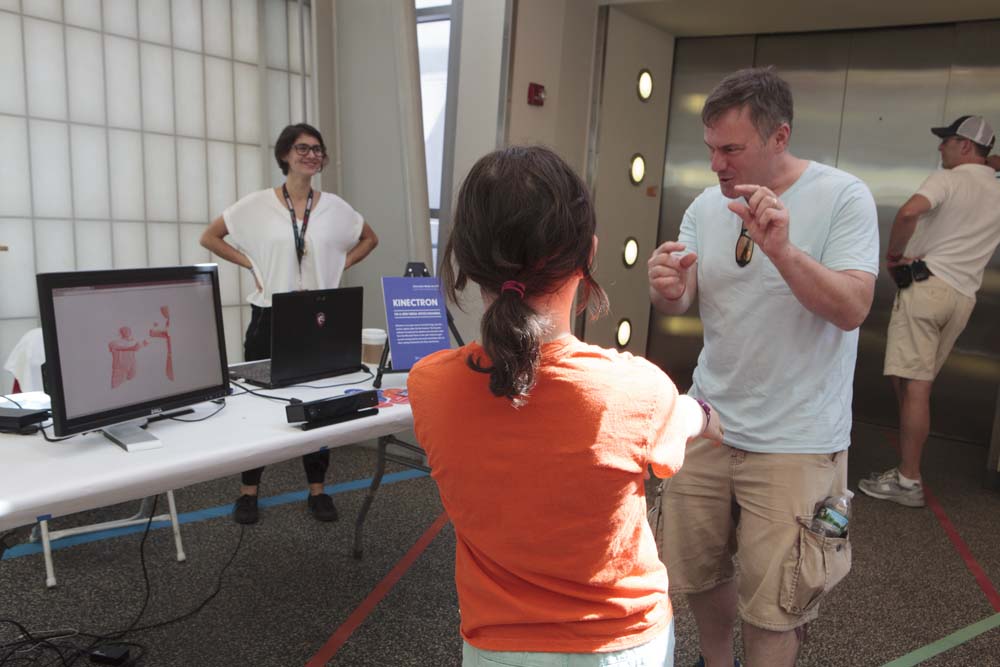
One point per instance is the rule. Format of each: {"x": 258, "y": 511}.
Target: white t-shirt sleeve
{"x": 853, "y": 242}
{"x": 241, "y": 218}
{"x": 689, "y": 228}
{"x": 935, "y": 188}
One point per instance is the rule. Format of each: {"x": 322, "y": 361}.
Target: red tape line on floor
{"x": 340, "y": 636}
{"x": 963, "y": 549}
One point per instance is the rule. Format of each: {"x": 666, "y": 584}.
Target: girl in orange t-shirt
{"x": 540, "y": 443}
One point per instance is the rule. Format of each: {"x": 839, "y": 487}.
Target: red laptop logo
{"x": 320, "y": 319}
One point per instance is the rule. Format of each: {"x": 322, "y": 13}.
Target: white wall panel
{"x": 90, "y": 173}
{"x": 275, "y": 172}
{"x": 233, "y": 328}
{"x": 192, "y": 180}
{"x": 248, "y": 171}
{"x": 17, "y": 267}
{"x": 127, "y": 193}
{"x": 85, "y": 58}
{"x": 247, "y": 83}
{"x": 310, "y": 109}
{"x": 50, "y": 169}
{"x": 276, "y": 18}
{"x": 120, "y": 17}
{"x": 11, "y": 65}
{"x": 294, "y": 43}
{"x": 46, "y": 9}
{"x": 93, "y": 245}
{"x": 218, "y": 37}
{"x": 129, "y": 245}
{"x": 221, "y": 177}
{"x": 219, "y": 98}
{"x": 164, "y": 244}
{"x": 121, "y": 57}
{"x": 154, "y": 21}
{"x": 84, "y": 13}
{"x": 15, "y": 184}
{"x": 191, "y": 250}
{"x": 307, "y": 27}
{"x": 131, "y": 180}
{"x": 277, "y": 104}
{"x": 157, "y": 91}
{"x": 161, "y": 178}
{"x": 229, "y": 282}
{"x": 245, "y": 30}
{"x": 10, "y": 333}
{"x": 187, "y": 24}
{"x": 295, "y": 114}
{"x": 189, "y": 91}
{"x": 55, "y": 240}
{"x": 46, "y": 69}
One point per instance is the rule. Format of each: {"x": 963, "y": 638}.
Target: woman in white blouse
{"x": 290, "y": 237}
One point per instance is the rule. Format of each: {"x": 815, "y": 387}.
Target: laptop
{"x": 314, "y": 334}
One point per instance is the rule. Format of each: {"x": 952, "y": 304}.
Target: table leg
{"x": 50, "y": 572}
{"x": 359, "y": 524}
{"x": 181, "y": 556}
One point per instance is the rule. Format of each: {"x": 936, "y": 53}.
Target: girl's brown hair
{"x": 522, "y": 215}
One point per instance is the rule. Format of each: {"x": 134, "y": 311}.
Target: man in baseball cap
{"x": 941, "y": 242}
{"x": 973, "y": 128}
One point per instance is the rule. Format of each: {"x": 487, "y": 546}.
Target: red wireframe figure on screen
{"x": 123, "y": 351}
{"x": 164, "y": 333}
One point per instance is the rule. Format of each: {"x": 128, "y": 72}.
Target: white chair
{"x": 24, "y": 363}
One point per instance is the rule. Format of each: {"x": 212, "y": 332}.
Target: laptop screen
{"x": 315, "y": 333}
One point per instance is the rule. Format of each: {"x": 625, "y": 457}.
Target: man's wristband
{"x": 894, "y": 256}
{"x": 707, "y": 409}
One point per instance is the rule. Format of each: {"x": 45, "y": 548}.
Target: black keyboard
{"x": 257, "y": 372}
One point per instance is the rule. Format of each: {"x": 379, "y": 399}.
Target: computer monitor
{"x": 124, "y": 345}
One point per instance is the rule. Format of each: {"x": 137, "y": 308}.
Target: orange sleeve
{"x": 668, "y": 429}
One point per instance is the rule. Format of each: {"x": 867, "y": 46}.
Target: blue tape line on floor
{"x": 33, "y": 548}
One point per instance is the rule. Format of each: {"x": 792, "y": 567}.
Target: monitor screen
{"x": 121, "y": 345}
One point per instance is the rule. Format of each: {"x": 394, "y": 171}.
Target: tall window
{"x": 127, "y": 125}
{"x": 433, "y": 37}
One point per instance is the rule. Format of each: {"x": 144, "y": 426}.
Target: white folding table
{"x": 40, "y": 480}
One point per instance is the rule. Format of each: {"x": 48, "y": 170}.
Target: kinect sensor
{"x": 326, "y": 411}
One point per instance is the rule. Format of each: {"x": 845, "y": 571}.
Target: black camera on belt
{"x": 906, "y": 274}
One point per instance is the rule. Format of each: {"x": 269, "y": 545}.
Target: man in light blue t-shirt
{"x": 782, "y": 257}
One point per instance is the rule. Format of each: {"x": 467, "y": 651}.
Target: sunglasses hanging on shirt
{"x": 744, "y": 248}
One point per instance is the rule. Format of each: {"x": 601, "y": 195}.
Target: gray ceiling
{"x": 690, "y": 18}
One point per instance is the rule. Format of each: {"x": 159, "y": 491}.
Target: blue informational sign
{"x": 415, "y": 312}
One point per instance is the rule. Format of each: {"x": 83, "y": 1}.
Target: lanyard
{"x": 300, "y": 239}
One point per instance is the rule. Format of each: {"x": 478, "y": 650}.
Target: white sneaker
{"x": 886, "y": 486}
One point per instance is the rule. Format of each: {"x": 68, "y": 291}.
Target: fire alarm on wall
{"x": 536, "y": 94}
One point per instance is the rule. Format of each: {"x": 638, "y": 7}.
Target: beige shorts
{"x": 927, "y": 318}
{"x": 730, "y": 509}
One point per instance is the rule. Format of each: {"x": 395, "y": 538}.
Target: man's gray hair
{"x": 761, "y": 90}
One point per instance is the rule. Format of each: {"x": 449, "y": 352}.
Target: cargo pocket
{"x": 813, "y": 568}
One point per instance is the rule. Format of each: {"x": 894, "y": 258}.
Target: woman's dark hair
{"x": 287, "y": 139}
{"x": 522, "y": 214}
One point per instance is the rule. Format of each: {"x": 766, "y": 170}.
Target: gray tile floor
{"x": 293, "y": 581}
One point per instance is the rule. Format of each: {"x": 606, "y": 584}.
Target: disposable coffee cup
{"x": 372, "y": 342}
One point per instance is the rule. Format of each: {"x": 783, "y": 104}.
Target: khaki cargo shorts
{"x": 927, "y": 318}
{"x": 730, "y": 510}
